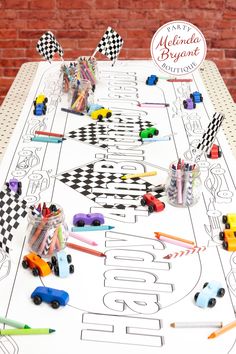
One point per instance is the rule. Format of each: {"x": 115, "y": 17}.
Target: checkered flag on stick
{"x": 12, "y": 210}
{"x": 210, "y": 135}
{"x": 110, "y": 44}
{"x": 47, "y": 46}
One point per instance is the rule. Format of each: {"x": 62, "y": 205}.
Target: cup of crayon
{"x": 183, "y": 185}
{"x": 47, "y": 231}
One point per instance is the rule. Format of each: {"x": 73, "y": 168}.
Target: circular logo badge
{"x": 178, "y": 48}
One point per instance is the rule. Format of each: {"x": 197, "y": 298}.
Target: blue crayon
{"x": 91, "y": 228}
{"x": 161, "y": 138}
{"x": 43, "y": 139}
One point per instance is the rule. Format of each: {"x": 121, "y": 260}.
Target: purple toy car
{"x": 95, "y": 219}
{"x": 14, "y": 186}
{"x": 189, "y": 104}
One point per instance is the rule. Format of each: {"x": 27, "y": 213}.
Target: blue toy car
{"x": 62, "y": 264}
{"x": 55, "y": 297}
{"x": 196, "y": 97}
{"x": 40, "y": 109}
{"x": 94, "y": 219}
{"x": 189, "y": 104}
{"x": 206, "y": 297}
{"x": 152, "y": 80}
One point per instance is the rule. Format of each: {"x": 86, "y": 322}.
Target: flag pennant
{"x": 12, "y": 210}
{"x": 211, "y": 132}
{"x": 47, "y": 46}
{"x": 110, "y": 44}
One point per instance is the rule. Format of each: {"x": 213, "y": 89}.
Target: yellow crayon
{"x": 144, "y": 174}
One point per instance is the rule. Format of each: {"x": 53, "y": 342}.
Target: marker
{"x": 179, "y": 80}
{"x": 82, "y": 239}
{"x": 39, "y": 132}
{"x": 13, "y": 323}
{"x": 152, "y": 104}
{"x": 145, "y": 174}
{"x": 161, "y": 138}
{"x": 222, "y": 330}
{"x": 196, "y": 324}
{"x": 72, "y": 111}
{"x": 85, "y": 249}
{"x": 22, "y": 331}
{"x": 42, "y": 139}
{"x": 91, "y": 228}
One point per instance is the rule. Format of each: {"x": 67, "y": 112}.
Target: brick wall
{"x": 79, "y": 24}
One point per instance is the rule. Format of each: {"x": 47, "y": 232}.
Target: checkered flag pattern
{"x": 210, "y": 135}
{"x": 12, "y": 210}
{"x": 110, "y": 44}
{"x": 99, "y": 133}
{"x": 47, "y": 46}
{"x": 94, "y": 185}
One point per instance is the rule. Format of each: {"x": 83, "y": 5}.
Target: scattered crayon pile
{"x": 184, "y": 184}
{"x": 47, "y": 230}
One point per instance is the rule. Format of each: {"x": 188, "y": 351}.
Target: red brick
{"x": 9, "y": 34}
{"x": 143, "y": 43}
{"x": 6, "y": 81}
{"x": 226, "y": 24}
{"x": 45, "y": 24}
{"x": 225, "y": 63}
{"x": 139, "y": 23}
{"x": 229, "y": 14}
{"x": 224, "y": 43}
{"x": 174, "y": 4}
{"x": 14, "y": 43}
{"x": 42, "y": 4}
{"x": 17, "y": 24}
{"x": 215, "y": 54}
{"x": 230, "y": 53}
{"x": 106, "y": 4}
{"x": 15, "y": 63}
{"x": 232, "y": 91}
{"x": 32, "y": 34}
{"x": 68, "y": 43}
{"x": 8, "y": 14}
{"x": 230, "y": 4}
{"x": 227, "y": 33}
{"x": 84, "y": 43}
{"x": 206, "y": 4}
{"x": 77, "y": 34}
{"x": 110, "y": 15}
{"x": 228, "y": 72}
{"x": 230, "y": 81}
{"x": 75, "y": 4}
{"x": 12, "y": 72}
{"x": 16, "y": 4}
{"x": 13, "y": 53}
{"x": 135, "y": 4}
{"x": 39, "y": 14}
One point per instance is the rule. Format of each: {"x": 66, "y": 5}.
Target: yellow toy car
{"x": 40, "y": 99}
{"x": 101, "y": 113}
{"x": 230, "y": 221}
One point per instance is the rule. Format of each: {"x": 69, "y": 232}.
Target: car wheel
{"x": 225, "y": 245}
{"x": 150, "y": 208}
{"x": 108, "y": 115}
{"x": 45, "y": 100}
{"x": 156, "y": 132}
{"x": 54, "y": 260}
{"x": 150, "y": 135}
{"x": 96, "y": 223}
{"x": 72, "y": 268}
{"x": 201, "y": 98}
{"x": 194, "y": 105}
{"x": 55, "y": 304}
{"x": 224, "y": 219}
{"x": 49, "y": 264}
{"x": 35, "y": 272}
{"x": 25, "y": 264}
{"x": 221, "y": 292}
{"x": 227, "y": 226}
{"x": 80, "y": 223}
{"x": 69, "y": 258}
{"x": 221, "y": 235}
{"x": 212, "y": 302}
{"x": 56, "y": 270}
{"x": 185, "y": 104}
{"x": 37, "y": 300}
{"x": 143, "y": 202}
{"x": 196, "y": 296}
{"x": 191, "y": 96}
{"x": 100, "y": 117}
{"x": 205, "y": 285}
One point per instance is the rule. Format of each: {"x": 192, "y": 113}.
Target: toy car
{"x": 37, "y": 264}
{"x": 40, "y": 109}
{"x": 215, "y": 152}
{"x": 14, "y": 185}
{"x": 228, "y": 237}
{"x": 196, "y": 97}
{"x": 61, "y": 264}
{"x": 189, "y": 104}
{"x": 95, "y": 219}
{"x": 93, "y": 107}
{"x": 152, "y": 80}
{"x": 99, "y": 114}
{"x": 206, "y": 297}
{"x": 40, "y": 99}
{"x": 55, "y": 297}
{"x": 153, "y": 203}
{"x": 230, "y": 221}
{"x": 148, "y": 132}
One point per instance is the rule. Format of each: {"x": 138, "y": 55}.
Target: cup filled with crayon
{"x": 47, "y": 230}
{"x": 183, "y": 186}
{"x": 87, "y": 70}
{"x": 81, "y": 95}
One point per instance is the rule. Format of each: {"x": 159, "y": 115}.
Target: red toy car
{"x": 152, "y": 202}
{"x": 215, "y": 152}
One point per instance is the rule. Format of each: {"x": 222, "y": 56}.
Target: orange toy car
{"x": 229, "y": 239}
{"x": 37, "y": 264}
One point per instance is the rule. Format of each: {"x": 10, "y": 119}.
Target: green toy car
{"x": 148, "y": 132}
